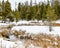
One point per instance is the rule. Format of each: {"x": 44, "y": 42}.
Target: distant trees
{"x": 17, "y": 15}
{"x": 50, "y": 15}
{"x": 25, "y": 11}
{"x": 6, "y": 9}
{"x": 43, "y": 11}
{"x": 57, "y": 7}
{"x": 3, "y": 11}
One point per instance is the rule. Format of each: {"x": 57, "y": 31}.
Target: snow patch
{"x": 38, "y": 29}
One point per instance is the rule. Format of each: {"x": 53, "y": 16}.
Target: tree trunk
{"x": 50, "y": 26}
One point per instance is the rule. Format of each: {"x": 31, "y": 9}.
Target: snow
{"x": 33, "y": 21}
{"x": 4, "y": 24}
{"x": 33, "y": 29}
{"x": 20, "y": 44}
{"x": 13, "y": 23}
{"x": 58, "y": 21}
{"x": 27, "y": 22}
{"x": 29, "y": 29}
{"x": 38, "y": 29}
{"x": 40, "y": 20}
{"x": 6, "y": 44}
{"x": 10, "y": 44}
{"x": 22, "y": 22}
{"x": 12, "y": 37}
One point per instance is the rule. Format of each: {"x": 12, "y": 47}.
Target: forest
{"x": 49, "y": 11}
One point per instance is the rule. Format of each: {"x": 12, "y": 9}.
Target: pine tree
{"x": 0, "y": 9}
{"x": 10, "y": 16}
{"x": 42, "y": 10}
{"x": 57, "y": 7}
{"x": 0, "y": 13}
{"x": 17, "y": 15}
{"x": 51, "y": 16}
{"x": 3, "y": 11}
{"x": 38, "y": 13}
{"x": 44, "y": 13}
{"x": 20, "y": 10}
{"x": 7, "y": 8}
{"x": 19, "y": 7}
{"x": 28, "y": 14}
{"x": 31, "y": 12}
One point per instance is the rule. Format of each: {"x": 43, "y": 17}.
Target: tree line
{"x": 42, "y": 11}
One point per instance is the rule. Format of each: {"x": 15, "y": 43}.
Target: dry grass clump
{"x": 19, "y": 33}
{"x": 10, "y": 26}
{"x": 56, "y": 24}
{"x": 4, "y": 32}
{"x": 44, "y": 41}
{"x": 41, "y": 40}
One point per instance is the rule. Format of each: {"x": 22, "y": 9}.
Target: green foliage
{"x": 17, "y": 15}
{"x": 10, "y": 16}
{"x": 50, "y": 14}
{"x": 7, "y": 8}
{"x": 25, "y": 11}
{"x": 19, "y": 7}
{"x": 0, "y": 18}
{"x": 57, "y": 7}
{"x": 0, "y": 10}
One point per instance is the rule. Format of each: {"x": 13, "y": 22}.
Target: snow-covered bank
{"x": 38, "y": 29}
{"x": 31, "y": 22}
{"x": 6, "y": 44}
{"x": 4, "y": 24}
{"x": 9, "y": 44}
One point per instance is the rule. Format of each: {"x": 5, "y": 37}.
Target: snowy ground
{"x": 38, "y": 29}
{"x": 28, "y": 29}
{"x": 26, "y": 22}
{"x": 10, "y": 44}
{"x": 7, "y": 44}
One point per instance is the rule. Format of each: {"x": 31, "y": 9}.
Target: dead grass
{"x": 56, "y": 24}
{"x": 43, "y": 40}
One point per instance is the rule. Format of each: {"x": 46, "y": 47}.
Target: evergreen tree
{"x": 57, "y": 7}
{"x": 20, "y": 10}
{"x": 44, "y": 13}
{"x": 25, "y": 11}
{"x": 19, "y": 7}
{"x": 28, "y": 14}
{"x": 51, "y": 16}
{"x": 3, "y": 11}
{"x": 10, "y": 16}
{"x": 42, "y": 10}
{"x": 17, "y": 15}
{"x": 7, "y": 8}
{"x": 38, "y": 13}
{"x": 0, "y": 9}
